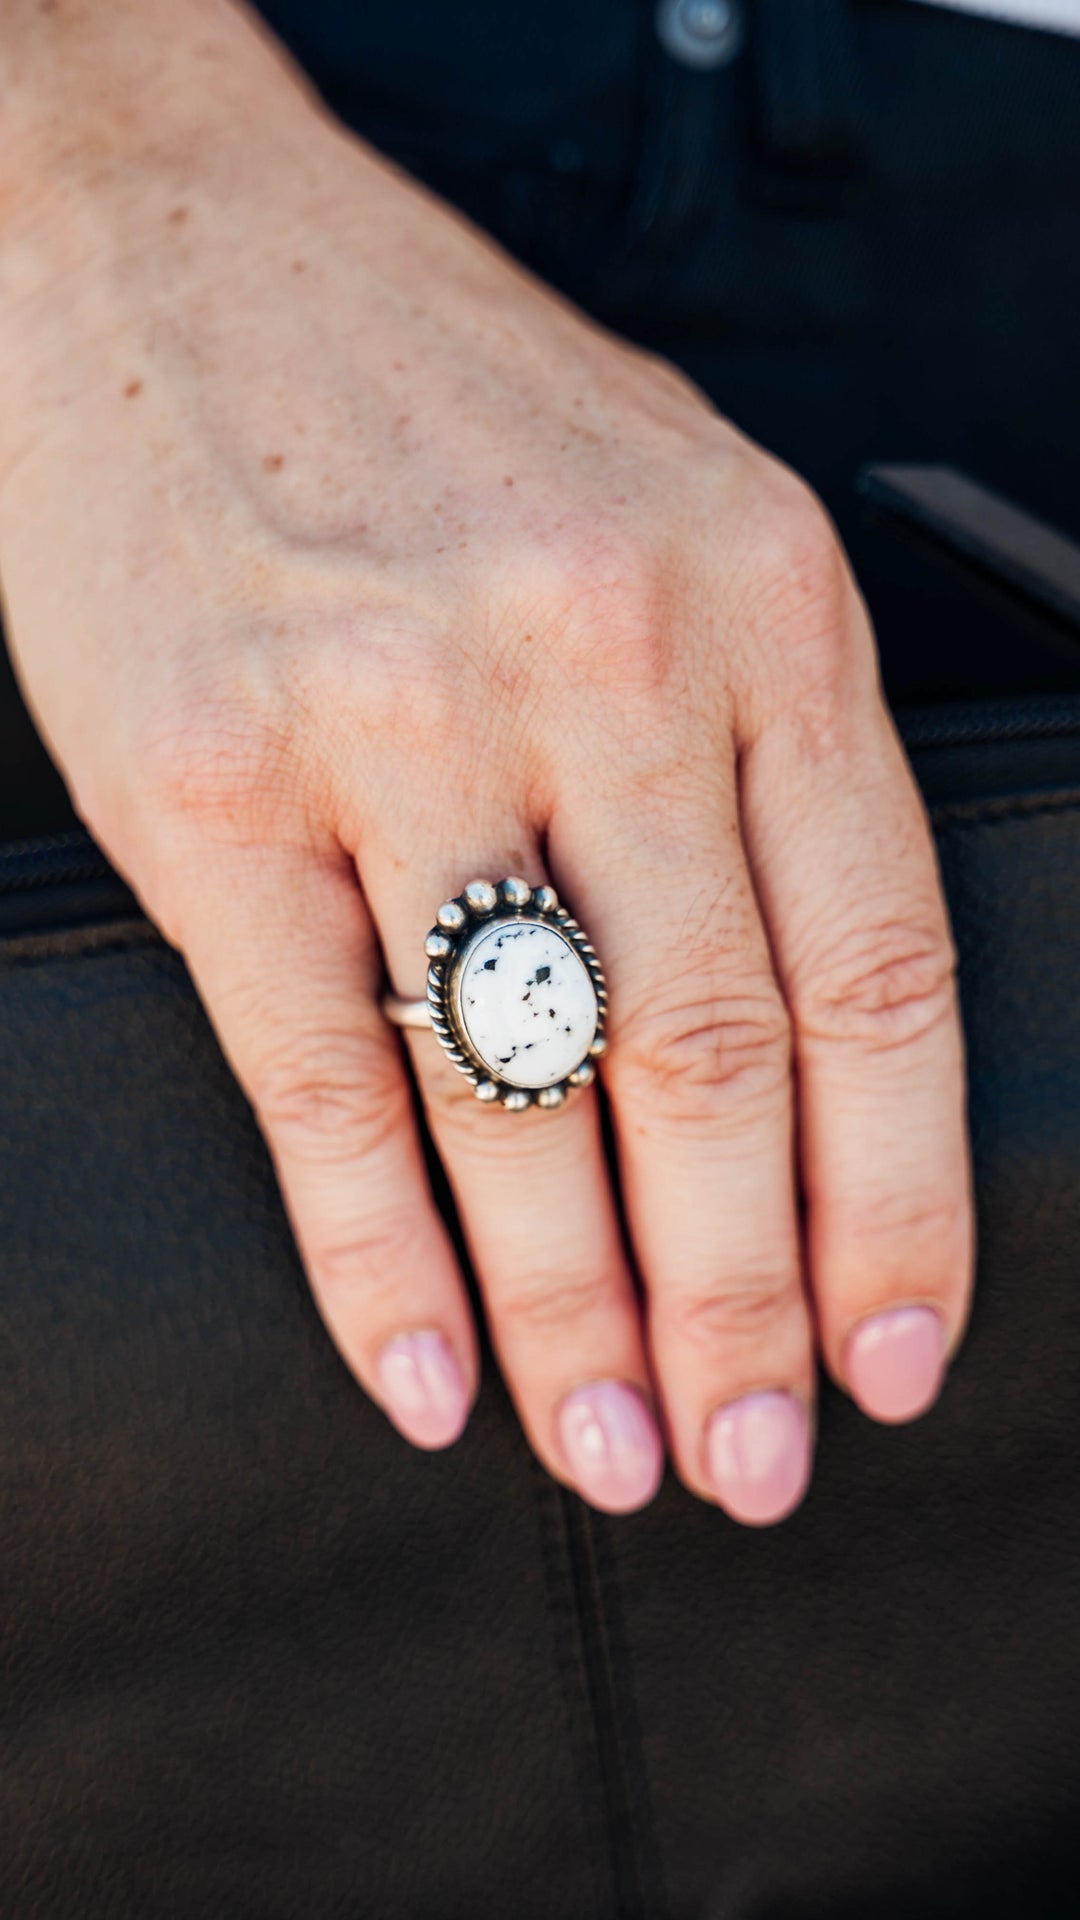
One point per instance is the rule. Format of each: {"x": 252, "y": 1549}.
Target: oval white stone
{"x": 527, "y": 1003}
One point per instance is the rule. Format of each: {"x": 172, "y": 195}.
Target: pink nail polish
{"x": 894, "y": 1362}
{"x": 612, "y": 1445}
{"x": 423, "y": 1388}
{"x": 758, "y": 1451}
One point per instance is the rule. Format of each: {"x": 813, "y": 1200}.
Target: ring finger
{"x": 536, "y": 1205}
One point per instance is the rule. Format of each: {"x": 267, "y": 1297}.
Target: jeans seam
{"x": 633, "y": 1852}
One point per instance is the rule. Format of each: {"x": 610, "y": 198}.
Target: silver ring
{"x": 515, "y": 994}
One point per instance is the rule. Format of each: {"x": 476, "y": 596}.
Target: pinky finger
{"x": 283, "y": 953}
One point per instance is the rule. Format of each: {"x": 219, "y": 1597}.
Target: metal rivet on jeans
{"x": 699, "y": 33}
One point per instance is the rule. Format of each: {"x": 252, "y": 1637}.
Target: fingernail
{"x": 612, "y": 1445}
{"x": 894, "y": 1362}
{"x": 758, "y": 1451}
{"x": 423, "y": 1388}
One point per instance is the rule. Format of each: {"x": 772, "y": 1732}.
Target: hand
{"x": 344, "y": 563}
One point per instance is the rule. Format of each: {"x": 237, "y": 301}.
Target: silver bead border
{"x": 458, "y": 919}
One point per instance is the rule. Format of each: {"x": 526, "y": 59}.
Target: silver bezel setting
{"x": 459, "y": 920}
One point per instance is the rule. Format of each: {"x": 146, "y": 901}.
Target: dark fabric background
{"x": 262, "y": 1660}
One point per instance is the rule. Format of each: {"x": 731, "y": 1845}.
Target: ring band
{"x": 405, "y": 1013}
{"x": 515, "y": 994}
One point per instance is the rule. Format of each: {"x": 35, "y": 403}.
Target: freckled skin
{"x": 400, "y": 569}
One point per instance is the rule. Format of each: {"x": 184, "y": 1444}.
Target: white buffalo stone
{"x": 527, "y": 1003}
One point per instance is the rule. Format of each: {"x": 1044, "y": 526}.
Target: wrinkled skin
{"x": 343, "y": 563}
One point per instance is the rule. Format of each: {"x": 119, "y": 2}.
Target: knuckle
{"x": 328, "y": 1103}
{"x": 592, "y": 555}
{"x": 797, "y": 547}
{"x": 707, "y": 1060}
{"x": 224, "y": 769}
{"x": 464, "y": 1125}
{"x": 886, "y": 987}
{"x": 612, "y": 601}
{"x": 374, "y": 1260}
{"x": 937, "y": 1226}
{"x": 567, "y": 1298}
{"x": 802, "y": 607}
{"x": 474, "y": 1134}
{"x": 384, "y": 671}
{"x": 746, "y": 1309}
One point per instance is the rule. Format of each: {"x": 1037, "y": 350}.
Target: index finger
{"x": 846, "y": 873}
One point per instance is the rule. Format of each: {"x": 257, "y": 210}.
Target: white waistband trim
{"x": 1052, "y": 16}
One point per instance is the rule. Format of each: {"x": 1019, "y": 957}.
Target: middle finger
{"x": 699, "y": 1073}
